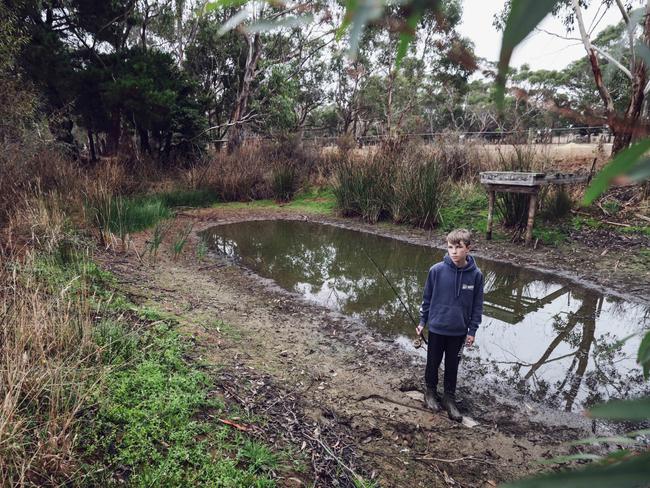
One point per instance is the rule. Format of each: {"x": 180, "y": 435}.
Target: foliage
{"x": 513, "y": 207}
{"x": 403, "y": 183}
{"x": 145, "y": 427}
{"x": 284, "y": 182}
{"x": 465, "y": 207}
{"x": 180, "y": 240}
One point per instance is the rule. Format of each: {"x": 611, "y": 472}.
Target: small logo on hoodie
{"x": 468, "y": 287}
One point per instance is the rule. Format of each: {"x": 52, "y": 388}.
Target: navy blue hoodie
{"x": 452, "y": 303}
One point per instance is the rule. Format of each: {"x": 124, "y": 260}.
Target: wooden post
{"x": 532, "y": 207}
{"x": 491, "y": 195}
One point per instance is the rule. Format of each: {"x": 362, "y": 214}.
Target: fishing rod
{"x": 394, "y": 291}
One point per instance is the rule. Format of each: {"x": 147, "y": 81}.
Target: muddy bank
{"x": 332, "y": 393}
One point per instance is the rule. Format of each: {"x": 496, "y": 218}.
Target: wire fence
{"x": 560, "y": 135}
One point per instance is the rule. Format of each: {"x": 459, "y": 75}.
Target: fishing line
{"x": 394, "y": 291}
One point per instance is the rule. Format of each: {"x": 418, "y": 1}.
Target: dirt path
{"x": 324, "y": 383}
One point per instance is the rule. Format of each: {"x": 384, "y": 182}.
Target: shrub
{"x": 398, "y": 181}
{"x": 284, "y": 182}
{"x": 513, "y": 207}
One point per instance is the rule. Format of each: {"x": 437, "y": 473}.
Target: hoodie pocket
{"x": 451, "y": 318}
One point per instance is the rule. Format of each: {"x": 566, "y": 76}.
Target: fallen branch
{"x": 642, "y": 217}
{"x": 616, "y": 223}
{"x": 451, "y": 461}
{"x": 234, "y": 424}
{"x": 336, "y": 458}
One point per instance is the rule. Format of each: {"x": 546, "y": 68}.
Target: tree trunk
{"x": 625, "y": 133}
{"x": 113, "y": 143}
{"x": 622, "y": 127}
{"x": 91, "y": 145}
{"x": 241, "y": 103}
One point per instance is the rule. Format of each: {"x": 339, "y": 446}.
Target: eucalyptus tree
{"x": 618, "y": 59}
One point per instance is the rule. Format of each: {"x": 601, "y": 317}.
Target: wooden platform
{"x": 522, "y": 182}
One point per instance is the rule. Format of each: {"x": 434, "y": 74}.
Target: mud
{"x": 337, "y": 396}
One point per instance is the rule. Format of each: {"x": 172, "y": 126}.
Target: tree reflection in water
{"x": 555, "y": 340}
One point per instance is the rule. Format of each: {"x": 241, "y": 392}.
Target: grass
{"x": 103, "y": 390}
{"x": 551, "y": 236}
{"x": 125, "y": 215}
{"x": 188, "y": 198}
{"x": 466, "y": 207}
{"x": 313, "y": 201}
{"x": 145, "y": 429}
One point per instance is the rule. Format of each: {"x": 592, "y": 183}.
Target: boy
{"x": 451, "y": 309}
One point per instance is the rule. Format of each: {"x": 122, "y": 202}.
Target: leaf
{"x": 571, "y": 457}
{"x": 523, "y": 17}
{"x": 289, "y": 22}
{"x": 358, "y": 13}
{"x": 628, "y": 473}
{"x": 621, "y": 164}
{"x": 219, "y": 4}
{"x": 643, "y": 357}
{"x": 233, "y": 21}
{"x": 623, "y": 410}
{"x": 407, "y": 36}
{"x": 603, "y": 440}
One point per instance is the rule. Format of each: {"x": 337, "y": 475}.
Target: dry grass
{"x": 47, "y": 359}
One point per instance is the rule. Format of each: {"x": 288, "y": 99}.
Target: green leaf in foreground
{"x": 643, "y": 357}
{"x": 631, "y": 472}
{"x": 621, "y": 164}
{"x": 407, "y": 36}
{"x": 523, "y": 17}
{"x": 623, "y": 410}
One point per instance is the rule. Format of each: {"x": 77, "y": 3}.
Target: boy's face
{"x": 458, "y": 253}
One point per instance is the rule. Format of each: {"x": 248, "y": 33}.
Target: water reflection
{"x": 553, "y": 339}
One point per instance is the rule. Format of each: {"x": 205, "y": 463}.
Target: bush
{"x": 397, "y": 181}
{"x": 513, "y": 207}
{"x": 284, "y": 182}
{"x": 419, "y": 190}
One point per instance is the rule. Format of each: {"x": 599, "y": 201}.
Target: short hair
{"x": 457, "y": 236}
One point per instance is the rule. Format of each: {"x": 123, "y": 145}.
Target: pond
{"x": 550, "y": 338}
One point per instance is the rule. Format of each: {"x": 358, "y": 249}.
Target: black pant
{"x": 451, "y": 347}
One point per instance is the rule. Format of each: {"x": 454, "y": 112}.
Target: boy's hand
{"x": 419, "y": 329}
{"x": 469, "y": 341}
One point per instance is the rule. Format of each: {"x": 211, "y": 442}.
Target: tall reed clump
{"x": 363, "y": 187}
{"x": 401, "y": 182}
{"x": 513, "y": 207}
{"x": 284, "y": 181}
{"x": 419, "y": 189}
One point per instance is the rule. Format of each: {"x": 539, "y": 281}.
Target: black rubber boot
{"x": 449, "y": 404}
{"x": 430, "y": 399}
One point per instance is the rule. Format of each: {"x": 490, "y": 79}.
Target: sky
{"x": 540, "y": 50}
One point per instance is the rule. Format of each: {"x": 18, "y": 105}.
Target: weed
{"x": 466, "y": 207}
{"x": 556, "y": 204}
{"x": 258, "y": 456}
{"x": 513, "y": 207}
{"x": 146, "y": 427}
{"x": 201, "y": 250}
{"x": 612, "y": 206}
{"x": 549, "y": 236}
{"x": 180, "y": 240}
{"x": 153, "y": 244}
